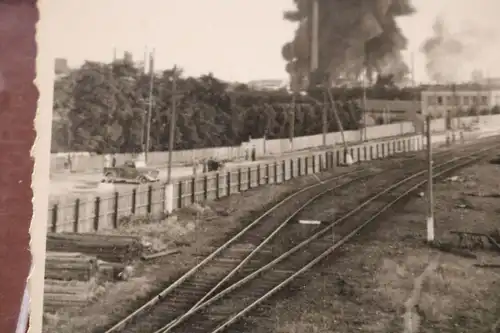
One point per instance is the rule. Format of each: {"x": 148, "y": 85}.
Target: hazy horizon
{"x": 236, "y": 40}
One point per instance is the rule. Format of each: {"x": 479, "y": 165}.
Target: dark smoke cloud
{"x": 348, "y": 28}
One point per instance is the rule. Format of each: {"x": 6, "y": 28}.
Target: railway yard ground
{"x": 369, "y": 284}
{"x": 363, "y": 287}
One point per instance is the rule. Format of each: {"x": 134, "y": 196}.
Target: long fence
{"x": 276, "y": 147}
{"x": 263, "y": 147}
{"x": 109, "y": 212}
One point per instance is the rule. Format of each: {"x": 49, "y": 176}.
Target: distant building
{"x": 438, "y": 100}
{"x": 268, "y": 84}
{"x": 128, "y": 57}
{"x": 61, "y": 66}
{"x": 392, "y": 111}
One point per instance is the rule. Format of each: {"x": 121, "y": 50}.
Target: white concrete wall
{"x": 271, "y": 147}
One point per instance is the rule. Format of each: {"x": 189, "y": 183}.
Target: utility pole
{"x": 490, "y": 93}
{"x": 325, "y": 119}
{"x": 414, "y": 85}
{"x": 478, "y": 101}
{"x": 413, "y": 80}
{"x": 315, "y": 62}
{"x": 314, "y": 36}
{"x": 430, "y": 195}
{"x": 150, "y": 105}
{"x": 169, "y": 189}
{"x": 365, "y": 72}
{"x": 171, "y": 134}
{"x": 145, "y": 61}
{"x": 313, "y": 75}
{"x": 456, "y": 115}
{"x": 341, "y": 128}
{"x": 292, "y": 119}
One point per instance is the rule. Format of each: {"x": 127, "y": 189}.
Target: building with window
{"x": 439, "y": 100}
{"x": 387, "y": 111}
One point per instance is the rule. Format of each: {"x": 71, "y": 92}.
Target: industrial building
{"x": 438, "y": 100}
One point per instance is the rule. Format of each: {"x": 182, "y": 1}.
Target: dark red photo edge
{"x": 18, "y": 104}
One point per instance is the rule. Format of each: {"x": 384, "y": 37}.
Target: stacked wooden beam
{"x": 70, "y": 279}
{"x": 70, "y": 266}
{"x": 76, "y": 264}
{"x": 111, "y": 248}
{"x": 59, "y": 294}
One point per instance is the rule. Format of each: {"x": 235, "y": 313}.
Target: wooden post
{"x": 193, "y": 190}
{"x": 76, "y": 216}
{"x": 55, "y": 210}
{"x": 97, "y": 212}
{"x": 205, "y": 187}
{"x": 115, "y": 210}
{"x": 180, "y": 194}
{"x": 150, "y": 199}
{"x": 134, "y": 201}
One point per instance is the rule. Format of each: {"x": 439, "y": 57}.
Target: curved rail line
{"x": 198, "y": 286}
{"x": 201, "y": 286}
{"x": 374, "y": 215}
{"x": 253, "y": 232}
{"x": 288, "y": 271}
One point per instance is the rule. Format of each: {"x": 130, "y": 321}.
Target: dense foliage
{"x": 102, "y": 108}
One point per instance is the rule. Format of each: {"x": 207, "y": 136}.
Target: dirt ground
{"x": 388, "y": 280}
{"x": 193, "y": 230}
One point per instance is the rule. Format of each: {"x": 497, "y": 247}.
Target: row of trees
{"x": 102, "y": 108}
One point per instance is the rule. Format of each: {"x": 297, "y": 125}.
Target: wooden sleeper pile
{"x": 117, "y": 249}
{"x": 70, "y": 266}
{"x": 77, "y": 263}
{"x": 59, "y": 294}
{"x": 70, "y": 280}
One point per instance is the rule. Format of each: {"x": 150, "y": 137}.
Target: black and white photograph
{"x": 281, "y": 166}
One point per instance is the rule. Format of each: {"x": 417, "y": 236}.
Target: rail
{"x": 233, "y": 239}
{"x": 108, "y": 211}
{"x": 343, "y": 240}
{"x": 199, "y": 305}
{"x": 120, "y": 325}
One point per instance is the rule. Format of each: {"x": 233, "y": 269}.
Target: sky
{"x": 236, "y": 40}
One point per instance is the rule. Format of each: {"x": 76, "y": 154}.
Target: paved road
{"x": 68, "y": 186}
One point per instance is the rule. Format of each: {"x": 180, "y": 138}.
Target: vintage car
{"x": 130, "y": 172}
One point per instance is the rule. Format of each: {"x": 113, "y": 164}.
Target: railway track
{"x": 186, "y": 291}
{"x": 193, "y": 302}
{"x": 260, "y": 276}
{"x": 228, "y": 306}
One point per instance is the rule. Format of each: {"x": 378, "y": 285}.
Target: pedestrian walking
{"x": 107, "y": 160}
{"x": 69, "y": 163}
{"x": 195, "y": 167}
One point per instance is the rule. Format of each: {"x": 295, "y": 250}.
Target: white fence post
{"x": 169, "y": 198}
